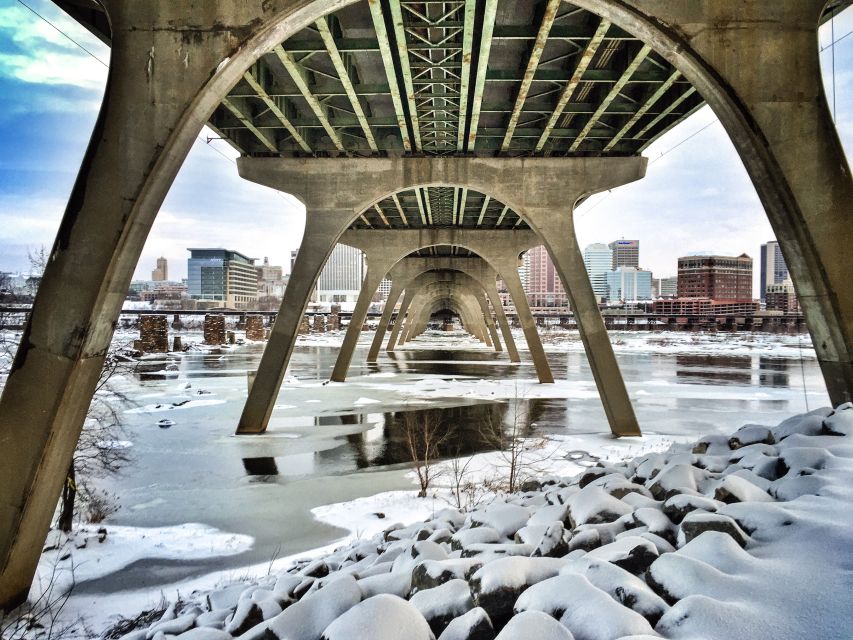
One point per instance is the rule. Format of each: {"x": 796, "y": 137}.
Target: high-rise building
{"x": 782, "y": 297}
{"x": 383, "y": 291}
{"x": 626, "y": 253}
{"x": 221, "y": 277}
{"x": 293, "y": 255}
{"x": 598, "y": 260}
{"x": 629, "y": 283}
{"x": 341, "y": 278}
{"x": 270, "y": 280}
{"x": 543, "y": 287}
{"x": 773, "y": 267}
{"x": 668, "y": 287}
{"x": 161, "y": 273}
{"x": 715, "y": 277}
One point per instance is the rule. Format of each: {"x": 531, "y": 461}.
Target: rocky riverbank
{"x": 740, "y": 536}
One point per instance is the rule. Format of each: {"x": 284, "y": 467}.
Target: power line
{"x": 199, "y": 138}
{"x": 24, "y": 4}
{"x": 671, "y": 149}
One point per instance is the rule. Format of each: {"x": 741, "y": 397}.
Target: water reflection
{"x": 387, "y": 437}
{"x": 714, "y": 369}
{"x": 773, "y": 372}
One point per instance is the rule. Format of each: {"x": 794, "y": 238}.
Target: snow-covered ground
{"x": 740, "y": 536}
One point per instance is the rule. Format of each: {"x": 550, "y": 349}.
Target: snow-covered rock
{"x": 474, "y": 625}
{"x": 588, "y": 612}
{"x": 382, "y": 617}
{"x": 533, "y": 625}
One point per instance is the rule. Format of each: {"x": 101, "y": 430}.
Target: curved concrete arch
{"x": 782, "y": 129}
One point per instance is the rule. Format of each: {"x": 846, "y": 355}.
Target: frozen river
{"x": 334, "y": 442}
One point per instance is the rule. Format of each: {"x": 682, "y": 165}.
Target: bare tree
{"x": 101, "y": 450}
{"x": 510, "y": 433}
{"x": 424, "y": 434}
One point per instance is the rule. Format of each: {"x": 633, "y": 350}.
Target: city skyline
{"x": 44, "y": 75}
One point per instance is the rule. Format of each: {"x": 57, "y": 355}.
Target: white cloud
{"x": 45, "y": 56}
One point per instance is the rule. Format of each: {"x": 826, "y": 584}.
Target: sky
{"x": 696, "y": 196}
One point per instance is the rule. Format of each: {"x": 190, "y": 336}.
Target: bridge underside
{"x": 471, "y": 124}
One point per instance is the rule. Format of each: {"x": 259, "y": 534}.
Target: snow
{"x": 382, "y": 617}
{"x": 123, "y": 546}
{"x": 533, "y": 625}
{"x": 511, "y": 573}
{"x": 449, "y": 600}
{"x": 188, "y": 404}
{"x": 788, "y": 580}
{"x": 308, "y": 618}
{"x": 585, "y": 610}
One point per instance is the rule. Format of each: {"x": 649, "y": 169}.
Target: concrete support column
{"x": 379, "y": 262}
{"x": 490, "y": 322}
{"x": 503, "y": 323}
{"x": 513, "y": 284}
{"x": 781, "y": 126}
{"x": 139, "y": 141}
{"x": 558, "y": 231}
{"x": 398, "y": 322}
{"x": 322, "y": 230}
{"x": 379, "y": 336}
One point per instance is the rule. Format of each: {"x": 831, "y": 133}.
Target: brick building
{"x": 716, "y": 277}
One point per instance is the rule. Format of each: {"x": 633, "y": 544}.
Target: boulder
{"x": 534, "y": 625}
{"x": 631, "y": 553}
{"x": 382, "y": 617}
{"x": 496, "y": 586}
{"x": 474, "y": 625}
{"x": 433, "y": 573}
{"x": 695, "y": 524}
{"x": 444, "y": 603}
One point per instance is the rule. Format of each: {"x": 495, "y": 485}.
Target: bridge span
{"x": 458, "y": 133}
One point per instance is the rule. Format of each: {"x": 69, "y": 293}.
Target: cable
{"x": 832, "y": 37}
{"x": 24, "y": 4}
{"x": 673, "y": 148}
{"x": 802, "y": 368}
{"x": 199, "y": 138}
{"x": 835, "y": 42}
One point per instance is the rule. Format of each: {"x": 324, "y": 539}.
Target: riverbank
{"x": 727, "y": 536}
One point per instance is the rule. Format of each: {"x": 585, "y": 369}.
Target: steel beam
{"x": 272, "y": 105}
{"x": 574, "y": 81}
{"x": 648, "y": 104}
{"x": 247, "y": 122}
{"x": 532, "y": 63}
{"x": 665, "y": 112}
{"x": 390, "y": 73}
{"x": 467, "y": 50}
{"x": 482, "y": 66}
{"x": 403, "y": 57}
{"x": 296, "y": 72}
{"x": 614, "y": 91}
{"x": 343, "y": 75}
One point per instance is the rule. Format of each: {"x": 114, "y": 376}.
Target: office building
{"x": 629, "y": 283}
{"x": 543, "y": 285}
{"x": 626, "y": 253}
{"x": 668, "y": 287}
{"x": 270, "y": 280}
{"x": 715, "y": 277}
{"x": 341, "y": 278}
{"x": 598, "y": 260}
{"x": 222, "y": 278}
{"x": 782, "y": 297}
{"x": 773, "y": 267}
{"x": 161, "y": 273}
